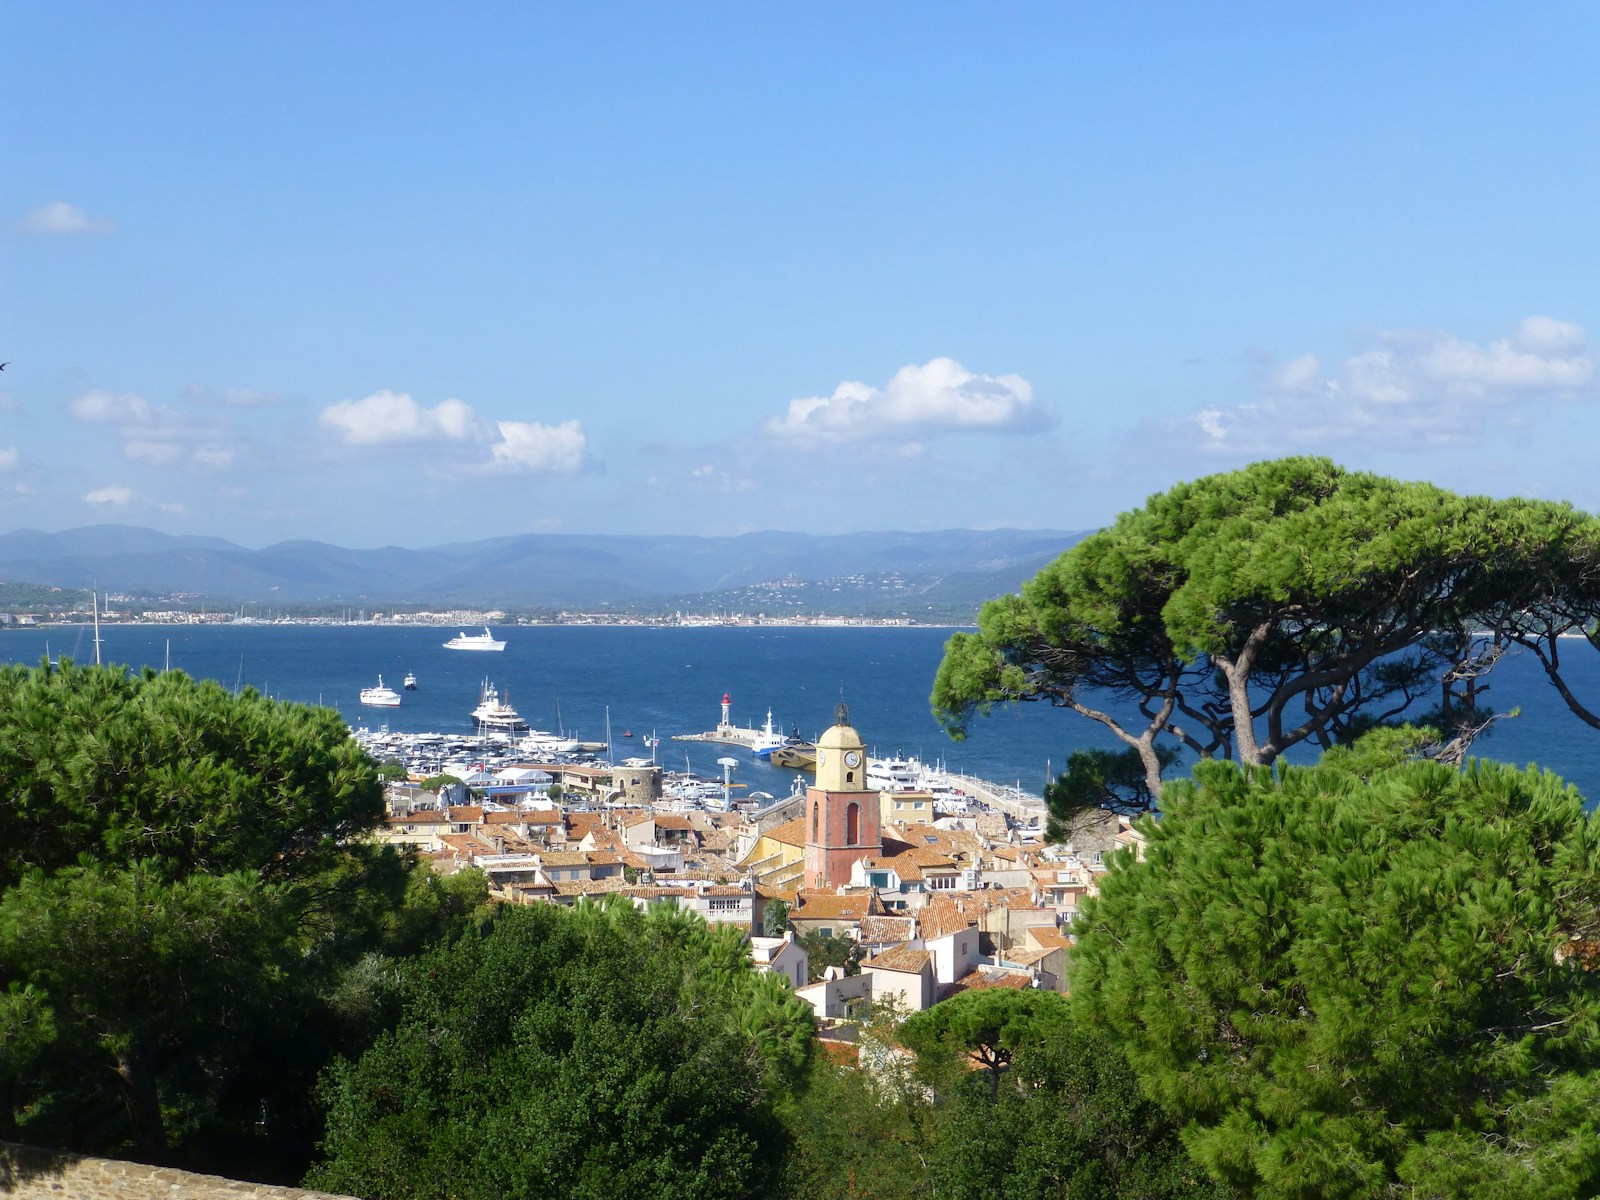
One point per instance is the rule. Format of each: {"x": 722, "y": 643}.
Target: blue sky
{"x": 407, "y": 274}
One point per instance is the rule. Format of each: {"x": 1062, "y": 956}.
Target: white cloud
{"x": 60, "y": 219}
{"x": 234, "y": 397}
{"x": 153, "y": 454}
{"x": 1413, "y": 389}
{"x": 9, "y": 458}
{"x": 708, "y": 478}
{"x": 108, "y": 408}
{"x": 154, "y": 435}
{"x": 391, "y": 418}
{"x": 116, "y": 497}
{"x": 941, "y": 395}
{"x": 548, "y": 449}
{"x": 212, "y": 458}
{"x": 386, "y": 417}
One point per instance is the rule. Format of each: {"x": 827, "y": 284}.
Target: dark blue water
{"x": 671, "y": 681}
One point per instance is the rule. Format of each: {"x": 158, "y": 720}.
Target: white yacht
{"x": 411, "y": 682}
{"x": 494, "y": 713}
{"x": 538, "y": 741}
{"x": 380, "y": 696}
{"x": 892, "y": 774}
{"x": 475, "y": 641}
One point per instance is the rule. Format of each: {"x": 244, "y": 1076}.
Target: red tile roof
{"x": 900, "y": 958}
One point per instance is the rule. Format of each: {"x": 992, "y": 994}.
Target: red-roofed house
{"x": 903, "y": 974}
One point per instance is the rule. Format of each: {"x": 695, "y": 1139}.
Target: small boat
{"x": 475, "y": 641}
{"x": 380, "y": 696}
{"x": 411, "y": 682}
{"x": 627, "y": 733}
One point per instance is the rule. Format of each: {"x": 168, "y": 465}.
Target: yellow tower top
{"x": 841, "y": 756}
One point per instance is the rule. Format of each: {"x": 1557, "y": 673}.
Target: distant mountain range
{"x": 861, "y": 572}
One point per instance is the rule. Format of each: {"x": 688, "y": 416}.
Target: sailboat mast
{"x": 96, "y": 595}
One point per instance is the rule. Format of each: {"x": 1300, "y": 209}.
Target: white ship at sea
{"x": 475, "y": 641}
{"x": 380, "y": 696}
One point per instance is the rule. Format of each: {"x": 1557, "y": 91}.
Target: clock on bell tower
{"x": 841, "y": 810}
{"x": 841, "y": 756}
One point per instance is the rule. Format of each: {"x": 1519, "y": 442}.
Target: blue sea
{"x": 671, "y": 681}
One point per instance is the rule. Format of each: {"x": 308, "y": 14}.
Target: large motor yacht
{"x": 380, "y": 696}
{"x": 475, "y": 641}
{"x": 494, "y": 713}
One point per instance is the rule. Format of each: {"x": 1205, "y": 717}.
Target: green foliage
{"x": 1383, "y": 748}
{"x": 592, "y": 1052}
{"x": 987, "y": 1025}
{"x": 1348, "y": 986}
{"x": 119, "y": 966}
{"x": 1101, "y": 779}
{"x": 176, "y": 775}
{"x": 826, "y": 950}
{"x": 390, "y": 770}
{"x": 848, "y": 1140}
{"x": 1067, "y": 1121}
{"x": 1248, "y": 612}
{"x": 435, "y": 908}
{"x": 40, "y": 598}
{"x": 775, "y": 918}
{"x": 184, "y": 888}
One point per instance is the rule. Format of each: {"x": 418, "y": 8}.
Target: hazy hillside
{"x": 868, "y": 572}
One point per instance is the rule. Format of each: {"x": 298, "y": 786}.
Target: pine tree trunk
{"x": 143, "y": 1105}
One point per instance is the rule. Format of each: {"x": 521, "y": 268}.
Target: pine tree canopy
{"x": 1288, "y": 602}
{"x": 1358, "y": 987}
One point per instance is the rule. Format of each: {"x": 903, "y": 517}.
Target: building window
{"x": 852, "y": 825}
{"x": 816, "y": 820}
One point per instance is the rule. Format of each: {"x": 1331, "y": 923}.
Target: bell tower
{"x": 841, "y": 810}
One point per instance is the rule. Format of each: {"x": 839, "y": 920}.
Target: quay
{"x": 758, "y": 741}
{"x": 1014, "y": 802}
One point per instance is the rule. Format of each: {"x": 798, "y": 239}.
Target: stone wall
{"x": 639, "y": 785}
{"x": 27, "y": 1172}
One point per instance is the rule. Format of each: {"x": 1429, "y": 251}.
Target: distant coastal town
{"x": 467, "y": 617}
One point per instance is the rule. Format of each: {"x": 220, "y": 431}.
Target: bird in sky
{"x": 4, "y": 365}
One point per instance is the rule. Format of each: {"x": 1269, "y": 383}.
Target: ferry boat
{"x": 380, "y": 696}
{"x": 475, "y": 641}
{"x": 411, "y": 682}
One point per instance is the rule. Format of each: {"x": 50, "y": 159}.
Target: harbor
{"x": 503, "y": 767}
